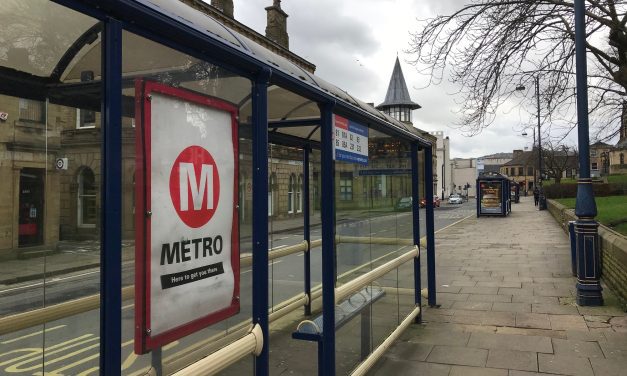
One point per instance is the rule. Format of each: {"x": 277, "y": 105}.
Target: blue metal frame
{"x": 260, "y": 215}
{"x": 416, "y": 226}
{"x": 430, "y": 226}
{"x": 111, "y": 170}
{"x": 307, "y": 229}
{"x": 589, "y": 290}
{"x": 327, "y": 367}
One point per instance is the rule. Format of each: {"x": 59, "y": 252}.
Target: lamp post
{"x": 589, "y": 290}
{"x": 538, "y": 182}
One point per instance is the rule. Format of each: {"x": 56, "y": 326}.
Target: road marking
{"x": 278, "y": 247}
{"x": 48, "y": 281}
{"x": 270, "y": 264}
{"x": 33, "y": 334}
{"x": 35, "y": 352}
{"x": 73, "y": 276}
{"x": 128, "y": 306}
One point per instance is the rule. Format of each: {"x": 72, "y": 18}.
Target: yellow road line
{"x": 32, "y": 334}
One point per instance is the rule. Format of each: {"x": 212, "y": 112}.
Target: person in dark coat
{"x": 536, "y": 195}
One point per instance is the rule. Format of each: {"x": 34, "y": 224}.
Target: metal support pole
{"x": 541, "y": 199}
{"x": 307, "y": 229}
{"x": 111, "y": 170}
{"x": 327, "y": 368}
{"x": 589, "y": 290}
{"x": 415, "y": 208}
{"x": 430, "y": 226}
{"x": 156, "y": 361}
{"x": 260, "y": 215}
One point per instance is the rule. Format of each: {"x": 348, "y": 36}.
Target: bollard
{"x": 542, "y": 202}
{"x": 573, "y": 247}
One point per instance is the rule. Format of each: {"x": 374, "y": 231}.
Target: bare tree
{"x": 557, "y": 159}
{"x": 490, "y": 47}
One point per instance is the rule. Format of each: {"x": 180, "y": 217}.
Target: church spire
{"x": 398, "y": 103}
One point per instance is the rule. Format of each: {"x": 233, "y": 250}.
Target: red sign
{"x": 195, "y": 186}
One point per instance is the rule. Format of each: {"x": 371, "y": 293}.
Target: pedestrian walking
{"x": 536, "y": 195}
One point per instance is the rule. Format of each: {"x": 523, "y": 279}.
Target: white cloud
{"x": 354, "y": 43}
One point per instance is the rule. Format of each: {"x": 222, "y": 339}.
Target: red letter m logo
{"x": 194, "y": 177}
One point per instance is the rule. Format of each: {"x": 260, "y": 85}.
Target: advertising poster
{"x": 350, "y": 141}
{"x": 490, "y": 197}
{"x": 187, "y": 251}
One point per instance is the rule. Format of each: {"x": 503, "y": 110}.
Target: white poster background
{"x": 176, "y": 125}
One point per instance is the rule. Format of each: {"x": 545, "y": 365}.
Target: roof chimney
{"x": 276, "y": 28}
{"x": 226, "y": 6}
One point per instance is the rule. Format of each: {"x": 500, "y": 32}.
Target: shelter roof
{"x": 54, "y": 71}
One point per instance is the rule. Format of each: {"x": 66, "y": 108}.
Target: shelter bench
{"x": 358, "y": 303}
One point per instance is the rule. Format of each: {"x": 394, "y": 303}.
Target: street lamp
{"x": 542, "y": 201}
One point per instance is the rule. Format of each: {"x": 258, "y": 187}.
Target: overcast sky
{"x": 354, "y": 44}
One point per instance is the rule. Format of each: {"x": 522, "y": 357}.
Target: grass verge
{"x": 612, "y": 211}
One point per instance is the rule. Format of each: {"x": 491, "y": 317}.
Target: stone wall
{"x": 613, "y": 251}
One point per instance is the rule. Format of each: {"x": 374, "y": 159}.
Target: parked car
{"x": 455, "y": 199}
{"x": 404, "y": 203}
{"x": 436, "y": 202}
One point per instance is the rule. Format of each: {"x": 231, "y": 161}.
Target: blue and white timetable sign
{"x": 350, "y": 141}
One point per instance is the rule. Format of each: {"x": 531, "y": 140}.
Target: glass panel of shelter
{"x": 373, "y": 228}
{"x": 50, "y": 186}
{"x": 146, "y": 60}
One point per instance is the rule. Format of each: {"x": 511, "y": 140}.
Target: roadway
{"x": 70, "y": 346}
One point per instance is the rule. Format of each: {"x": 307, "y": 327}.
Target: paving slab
{"x": 567, "y": 322}
{"x": 511, "y": 359}
{"x": 582, "y": 349}
{"x": 564, "y": 365}
{"x": 609, "y": 367}
{"x": 476, "y": 371}
{"x": 389, "y": 366}
{"x": 512, "y": 307}
{"x": 554, "y": 309}
{"x": 511, "y": 342}
{"x": 489, "y": 298}
{"x": 533, "y": 320}
{"x": 459, "y": 355}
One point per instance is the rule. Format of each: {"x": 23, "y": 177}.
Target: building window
{"x": 622, "y": 158}
{"x": 529, "y": 171}
{"x": 32, "y": 110}
{"x": 595, "y": 166}
{"x": 346, "y": 186}
{"x": 299, "y": 194}
{"x": 86, "y": 208}
{"x": 271, "y": 194}
{"x": 521, "y": 171}
{"x": 290, "y": 193}
{"x": 85, "y": 119}
{"x": 593, "y": 153}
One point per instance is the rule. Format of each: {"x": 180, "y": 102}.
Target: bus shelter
{"x": 175, "y": 148}
{"x": 493, "y": 195}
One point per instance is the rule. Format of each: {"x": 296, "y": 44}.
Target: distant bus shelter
{"x": 181, "y": 147}
{"x": 493, "y": 195}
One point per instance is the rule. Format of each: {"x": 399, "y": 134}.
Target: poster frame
{"x": 144, "y": 340}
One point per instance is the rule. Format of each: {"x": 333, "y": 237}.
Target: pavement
{"x": 507, "y": 307}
